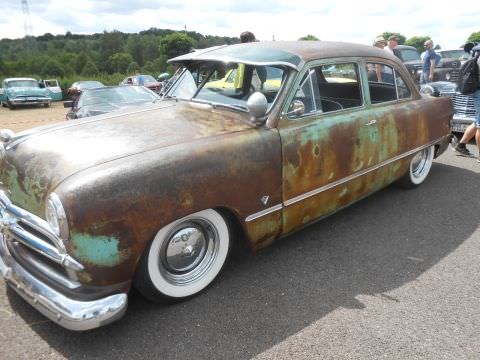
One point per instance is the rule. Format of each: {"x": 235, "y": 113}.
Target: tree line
{"x": 106, "y": 56}
{"x": 109, "y": 56}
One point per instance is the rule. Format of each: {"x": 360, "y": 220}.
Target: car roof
{"x": 19, "y": 78}
{"x": 293, "y": 54}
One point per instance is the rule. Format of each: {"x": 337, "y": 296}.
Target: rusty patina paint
{"x": 320, "y": 151}
{"x": 121, "y": 178}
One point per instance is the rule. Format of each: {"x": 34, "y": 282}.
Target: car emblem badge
{"x": 264, "y": 199}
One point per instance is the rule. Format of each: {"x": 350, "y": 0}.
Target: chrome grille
{"x": 454, "y": 74}
{"x": 31, "y": 241}
{"x": 463, "y": 105}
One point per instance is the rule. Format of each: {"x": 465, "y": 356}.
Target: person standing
{"x": 473, "y": 130}
{"x": 245, "y": 37}
{"x": 391, "y": 44}
{"x": 428, "y": 69}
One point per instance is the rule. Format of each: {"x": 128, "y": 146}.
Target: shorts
{"x": 476, "y": 102}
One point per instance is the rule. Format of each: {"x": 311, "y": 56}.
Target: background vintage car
{"x": 157, "y": 197}
{"x": 143, "y": 80}
{"x": 23, "y": 91}
{"x": 463, "y": 105}
{"x": 446, "y": 70}
{"x": 106, "y": 99}
{"x": 458, "y": 54}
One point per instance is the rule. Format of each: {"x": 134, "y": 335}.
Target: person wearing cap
{"x": 375, "y": 74}
{"x": 391, "y": 44}
{"x": 379, "y": 42}
{"x": 428, "y": 70}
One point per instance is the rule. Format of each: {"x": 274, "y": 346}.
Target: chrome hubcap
{"x": 185, "y": 249}
{"x": 189, "y": 251}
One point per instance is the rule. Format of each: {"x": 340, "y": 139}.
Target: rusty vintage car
{"x": 156, "y": 197}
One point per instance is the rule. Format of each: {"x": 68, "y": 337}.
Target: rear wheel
{"x": 419, "y": 168}
{"x": 184, "y": 257}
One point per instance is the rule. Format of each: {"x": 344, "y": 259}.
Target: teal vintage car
{"x": 23, "y": 91}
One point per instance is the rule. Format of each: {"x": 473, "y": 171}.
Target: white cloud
{"x": 352, "y": 20}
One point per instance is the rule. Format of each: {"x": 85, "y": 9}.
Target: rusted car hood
{"x": 39, "y": 159}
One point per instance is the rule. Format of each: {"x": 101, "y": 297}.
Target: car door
{"x": 401, "y": 118}
{"x": 329, "y": 141}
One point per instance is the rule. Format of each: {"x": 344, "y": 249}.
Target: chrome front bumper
{"x": 70, "y": 313}
{"x": 30, "y": 100}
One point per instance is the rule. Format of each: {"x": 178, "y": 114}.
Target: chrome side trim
{"x": 264, "y": 212}
{"x": 355, "y": 175}
{"x": 69, "y": 313}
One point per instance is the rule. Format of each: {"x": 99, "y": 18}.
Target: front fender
{"x": 115, "y": 209}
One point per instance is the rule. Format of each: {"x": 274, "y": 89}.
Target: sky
{"x": 449, "y": 24}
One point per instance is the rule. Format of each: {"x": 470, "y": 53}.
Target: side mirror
{"x": 297, "y": 108}
{"x": 257, "y": 106}
{"x": 2, "y": 91}
{"x": 68, "y": 104}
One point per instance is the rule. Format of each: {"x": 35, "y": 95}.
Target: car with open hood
{"x": 156, "y": 197}
{"x": 17, "y": 92}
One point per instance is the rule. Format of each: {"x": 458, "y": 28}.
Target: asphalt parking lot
{"x": 394, "y": 276}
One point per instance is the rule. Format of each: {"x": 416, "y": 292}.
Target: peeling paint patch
{"x": 97, "y": 250}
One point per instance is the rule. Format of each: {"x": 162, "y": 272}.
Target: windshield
{"x": 22, "y": 83}
{"x": 116, "y": 95}
{"x": 409, "y": 55}
{"x": 228, "y": 85}
{"x": 455, "y": 54}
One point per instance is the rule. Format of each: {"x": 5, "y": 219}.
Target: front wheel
{"x": 184, "y": 257}
{"x": 419, "y": 168}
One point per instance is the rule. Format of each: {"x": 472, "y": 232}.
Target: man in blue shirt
{"x": 428, "y": 69}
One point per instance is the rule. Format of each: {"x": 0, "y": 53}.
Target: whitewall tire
{"x": 184, "y": 257}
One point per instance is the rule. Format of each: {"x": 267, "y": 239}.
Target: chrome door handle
{"x": 371, "y": 122}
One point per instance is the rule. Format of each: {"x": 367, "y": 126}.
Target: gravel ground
{"x": 26, "y": 117}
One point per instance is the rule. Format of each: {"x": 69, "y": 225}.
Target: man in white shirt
{"x": 391, "y": 44}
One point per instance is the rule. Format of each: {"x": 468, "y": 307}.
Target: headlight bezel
{"x": 56, "y": 216}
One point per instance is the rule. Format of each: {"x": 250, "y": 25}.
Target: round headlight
{"x": 427, "y": 89}
{"x": 56, "y": 217}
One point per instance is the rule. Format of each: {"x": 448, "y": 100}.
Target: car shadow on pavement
{"x": 372, "y": 247}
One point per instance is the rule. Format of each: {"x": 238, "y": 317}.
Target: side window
{"x": 402, "y": 88}
{"x": 385, "y": 84}
{"x": 306, "y": 98}
{"x": 339, "y": 86}
{"x": 381, "y": 83}
{"x": 327, "y": 88}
